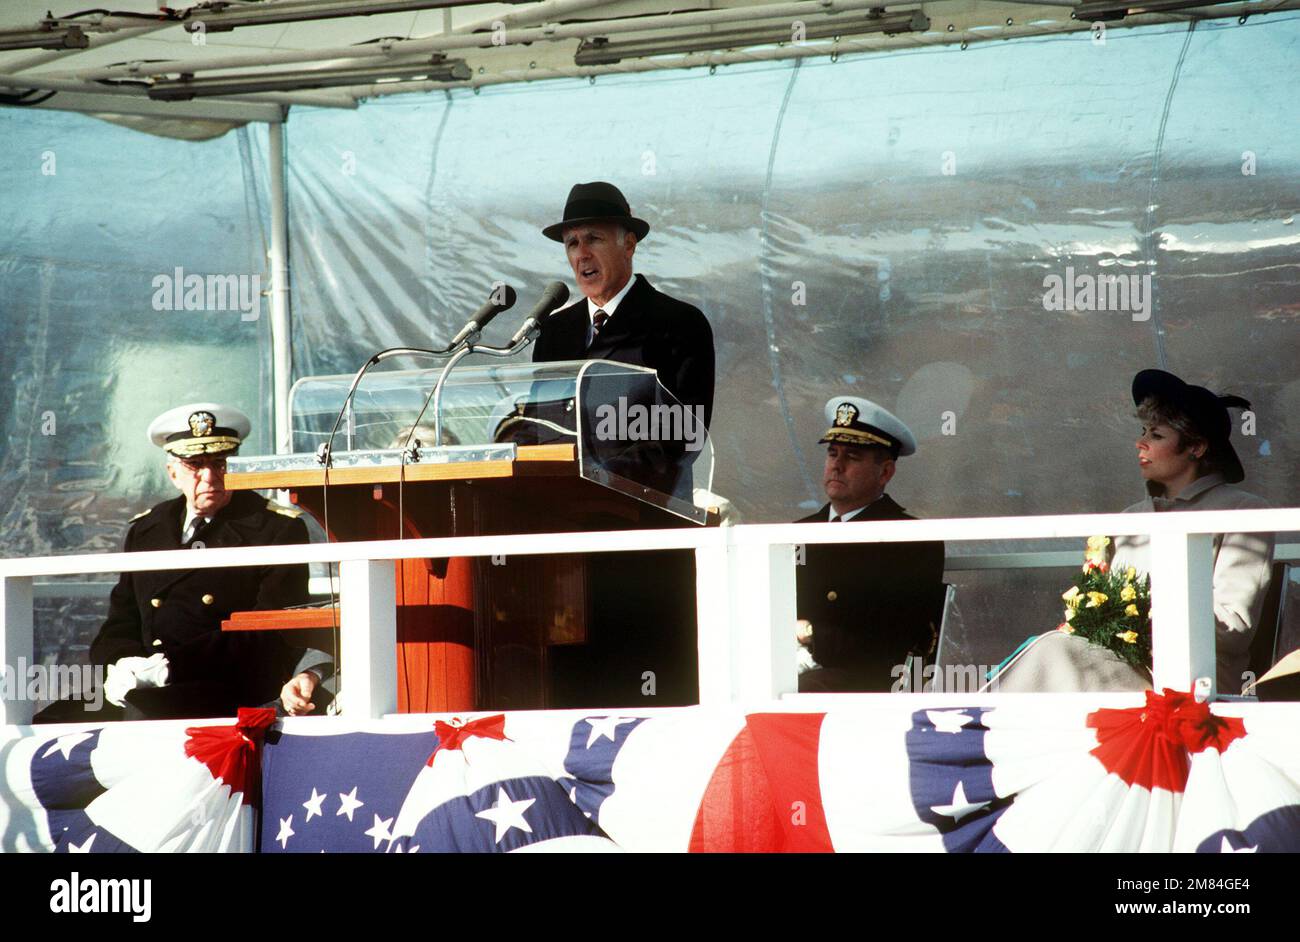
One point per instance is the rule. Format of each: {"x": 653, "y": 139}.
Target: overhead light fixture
{"x": 50, "y": 35}
{"x": 437, "y": 69}
{"x": 1107, "y": 10}
{"x": 600, "y": 51}
{"x": 221, "y": 16}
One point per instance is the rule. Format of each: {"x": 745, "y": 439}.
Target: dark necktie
{"x": 197, "y": 524}
{"x": 597, "y": 322}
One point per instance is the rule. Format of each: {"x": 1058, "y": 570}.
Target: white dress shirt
{"x": 609, "y": 307}
{"x": 852, "y": 513}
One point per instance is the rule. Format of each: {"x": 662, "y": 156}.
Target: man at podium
{"x": 621, "y": 317}
{"x": 642, "y": 647}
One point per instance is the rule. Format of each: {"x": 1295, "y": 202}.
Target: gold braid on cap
{"x": 205, "y": 437}
{"x": 214, "y": 445}
{"x": 853, "y": 436}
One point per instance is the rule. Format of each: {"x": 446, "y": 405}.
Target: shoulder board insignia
{"x": 143, "y": 513}
{"x": 282, "y": 509}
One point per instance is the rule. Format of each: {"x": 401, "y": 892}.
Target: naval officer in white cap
{"x": 863, "y": 608}
{"x": 162, "y": 644}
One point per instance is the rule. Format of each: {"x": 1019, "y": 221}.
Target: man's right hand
{"x": 803, "y": 631}
{"x": 296, "y": 694}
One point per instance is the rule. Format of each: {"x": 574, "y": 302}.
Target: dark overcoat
{"x": 648, "y": 328}
{"x": 639, "y": 624}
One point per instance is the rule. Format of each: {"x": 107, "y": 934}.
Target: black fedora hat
{"x": 1207, "y": 412}
{"x": 597, "y": 202}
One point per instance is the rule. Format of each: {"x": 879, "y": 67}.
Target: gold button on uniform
{"x": 208, "y": 600}
{"x": 156, "y": 603}
{"x": 832, "y": 595}
{"x": 157, "y": 642}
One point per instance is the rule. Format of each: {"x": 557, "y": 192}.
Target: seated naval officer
{"x": 162, "y": 644}
{"x": 867, "y": 606}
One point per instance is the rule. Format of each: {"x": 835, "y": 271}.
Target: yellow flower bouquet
{"x": 1111, "y": 609}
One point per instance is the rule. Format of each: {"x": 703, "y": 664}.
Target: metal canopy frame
{"x": 501, "y": 42}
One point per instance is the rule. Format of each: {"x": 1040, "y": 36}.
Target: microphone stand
{"x": 324, "y": 453}
{"x": 435, "y": 396}
{"x": 437, "y": 390}
{"x": 515, "y": 346}
{"x": 556, "y": 295}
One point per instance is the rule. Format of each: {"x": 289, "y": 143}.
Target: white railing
{"x": 745, "y": 586}
{"x": 319, "y": 586}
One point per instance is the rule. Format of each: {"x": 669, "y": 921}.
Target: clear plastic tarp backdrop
{"x": 90, "y": 215}
{"x": 914, "y": 203}
{"x": 877, "y": 226}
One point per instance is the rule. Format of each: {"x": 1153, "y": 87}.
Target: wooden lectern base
{"x": 506, "y": 633}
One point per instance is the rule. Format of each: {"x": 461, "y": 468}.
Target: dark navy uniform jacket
{"x": 179, "y": 612}
{"x": 871, "y": 604}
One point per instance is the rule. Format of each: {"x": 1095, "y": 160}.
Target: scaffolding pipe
{"x": 281, "y": 335}
{"x": 695, "y": 60}
{"x": 549, "y": 32}
{"x": 96, "y": 41}
{"x": 540, "y": 13}
{"x": 47, "y": 82}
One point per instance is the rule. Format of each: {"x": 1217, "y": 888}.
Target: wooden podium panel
{"x": 290, "y": 619}
{"x": 474, "y": 633}
{"x": 310, "y": 627}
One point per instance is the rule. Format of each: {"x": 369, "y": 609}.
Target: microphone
{"x": 556, "y": 293}
{"x": 499, "y": 300}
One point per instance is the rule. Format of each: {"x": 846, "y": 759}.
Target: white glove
{"x": 155, "y": 670}
{"x": 128, "y": 673}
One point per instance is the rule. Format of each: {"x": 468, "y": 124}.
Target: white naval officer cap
{"x": 857, "y": 421}
{"x": 200, "y": 428}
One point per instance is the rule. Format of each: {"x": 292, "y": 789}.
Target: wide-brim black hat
{"x": 597, "y": 202}
{"x": 1207, "y": 412}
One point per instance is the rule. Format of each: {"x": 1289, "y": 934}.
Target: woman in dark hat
{"x": 1185, "y": 436}
{"x": 1187, "y": 460}
{"x": 1185, "y": 456}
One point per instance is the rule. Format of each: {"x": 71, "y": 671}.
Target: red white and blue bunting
{"x": 1031, "y": 774}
